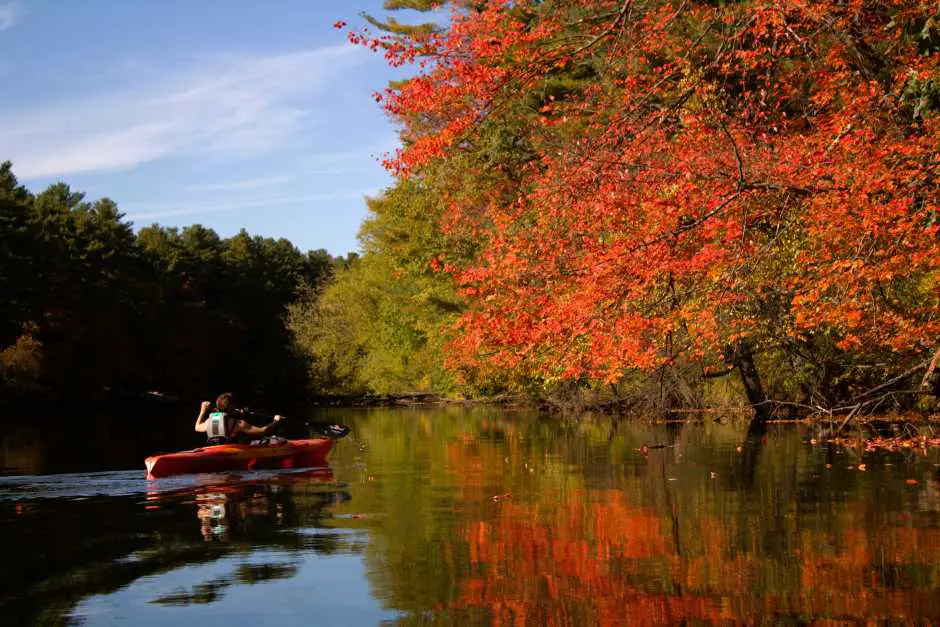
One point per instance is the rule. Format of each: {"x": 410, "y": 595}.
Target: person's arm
{"x": 201, "y": 424}
{"x": 244, "y": 427}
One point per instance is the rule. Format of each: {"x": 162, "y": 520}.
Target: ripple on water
{"x": 79, "y": 486}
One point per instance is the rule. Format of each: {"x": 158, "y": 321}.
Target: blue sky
{"x": 226, "y": 113}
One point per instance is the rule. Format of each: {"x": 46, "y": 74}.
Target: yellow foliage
{"x": 21, "y": 363}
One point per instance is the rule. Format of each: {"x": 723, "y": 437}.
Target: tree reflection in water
{"x": 548, "y": 523}
{"x": 644, "y": 555}
{"x": 117, "y": 540}
{"x": 457, "y": 517}
{"x": 211, "y": 591}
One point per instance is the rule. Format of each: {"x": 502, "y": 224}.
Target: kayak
{"x": 222, "y": 457}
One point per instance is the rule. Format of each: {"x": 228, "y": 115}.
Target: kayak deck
{"x": 222, "y": 457}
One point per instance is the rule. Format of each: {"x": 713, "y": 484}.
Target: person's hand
{"x": 204, "y": 407}
{"x": 279, "y": 418}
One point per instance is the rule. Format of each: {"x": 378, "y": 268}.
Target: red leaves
{"x": 707, "y": 162}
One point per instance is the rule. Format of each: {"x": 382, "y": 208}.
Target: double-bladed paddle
{"x": 321, "y": 427}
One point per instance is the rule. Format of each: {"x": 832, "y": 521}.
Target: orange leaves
{"x": 673, "y": 171}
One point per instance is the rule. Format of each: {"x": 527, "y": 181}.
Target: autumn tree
{"x": 660, "y": 183}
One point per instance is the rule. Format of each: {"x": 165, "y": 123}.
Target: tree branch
{"x": 621, "y": 16}
{"x": 891, "y": 382}
{"x": 737, "y": 153}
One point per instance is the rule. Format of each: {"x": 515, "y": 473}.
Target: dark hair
{"x": 226, "y": 402}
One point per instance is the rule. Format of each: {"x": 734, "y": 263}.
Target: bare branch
{"x": 621, "y": 16}
{"x": 737, "y": 153}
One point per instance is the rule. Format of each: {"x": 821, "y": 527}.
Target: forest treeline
{"x": 90, "y": 310}
{"x": 638, "y": 203}
{"x": 649, "y": 202}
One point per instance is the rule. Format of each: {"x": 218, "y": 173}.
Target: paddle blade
{"x": 330, "y": 430}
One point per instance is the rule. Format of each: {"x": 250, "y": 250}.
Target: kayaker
{"x": 226, "y": 424}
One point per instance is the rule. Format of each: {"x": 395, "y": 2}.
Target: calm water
{"x": 463, "y": 518}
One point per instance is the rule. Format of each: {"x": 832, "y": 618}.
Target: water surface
{"x": 453, "y": 517}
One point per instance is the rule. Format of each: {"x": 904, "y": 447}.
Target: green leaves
{"x": 382, "y": 324}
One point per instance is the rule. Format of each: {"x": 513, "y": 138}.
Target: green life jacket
{"x": 218, "y": 426}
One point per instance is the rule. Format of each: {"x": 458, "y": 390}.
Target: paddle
{"x": 321, "y": 427}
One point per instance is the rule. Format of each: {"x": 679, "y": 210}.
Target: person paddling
{"x": 226, "y": 423}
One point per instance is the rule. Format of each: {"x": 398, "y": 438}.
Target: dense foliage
{"x": 91, "y": 309}
{"x": 671, "y": 190}
{"x": 381, "y": 325}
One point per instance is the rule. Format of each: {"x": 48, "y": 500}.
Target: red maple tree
{"x": 679, "y": 178}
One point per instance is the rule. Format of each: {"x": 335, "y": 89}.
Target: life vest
{"x": 219, "y": 426}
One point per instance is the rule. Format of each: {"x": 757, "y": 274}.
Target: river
{"x": 483, "y": 517}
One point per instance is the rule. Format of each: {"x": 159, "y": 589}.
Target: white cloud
{"x": 10, "y": 13}
{"x": 191, "y": 208}
{"x": 330, "y": 161}
{"x": 232, "y": 106}
{"x": 242, "y": 184}
{"x": 267, "y": 181}
{"x": 339, "y": 170}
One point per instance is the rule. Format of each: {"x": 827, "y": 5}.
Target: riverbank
{"x": 427, "y": 400}
{"x": 781, "y": 412}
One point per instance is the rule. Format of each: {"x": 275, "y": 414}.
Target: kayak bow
{"x": 222, "y": 457}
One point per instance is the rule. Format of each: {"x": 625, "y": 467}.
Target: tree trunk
{"x": 751, "y": 450}
{"x": 931, "y": 382}
{"x": 742, "y": 357}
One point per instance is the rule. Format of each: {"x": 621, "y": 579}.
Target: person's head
{"x": 226, "y": 402}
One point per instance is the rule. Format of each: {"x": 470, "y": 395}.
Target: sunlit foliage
{"x": 655, "y": 183}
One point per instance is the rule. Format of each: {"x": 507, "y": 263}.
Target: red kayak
{"x": 222, "y": 457}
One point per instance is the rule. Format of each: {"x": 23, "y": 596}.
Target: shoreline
{"x": 522, "y": 402}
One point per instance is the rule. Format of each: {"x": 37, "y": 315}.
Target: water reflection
{"x": 22, "y": 450}
{"x": 551, "y": 523}
{"x": 211, "y": 512}
{"x": 212, "y": 590}
{"x": 232, "y": 503}
{"x": 472, "y": 517}
{"x": 66, "y": 548}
